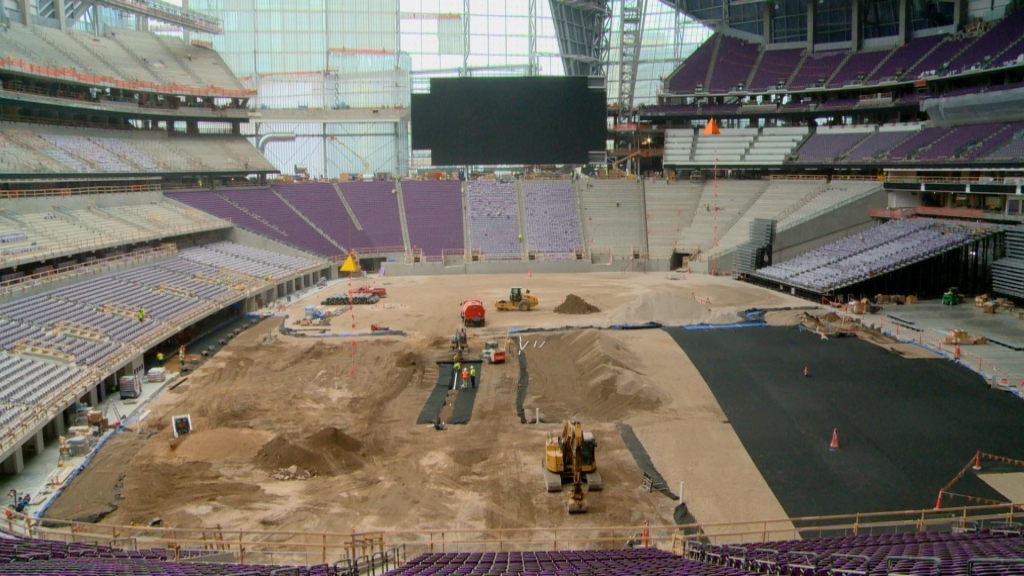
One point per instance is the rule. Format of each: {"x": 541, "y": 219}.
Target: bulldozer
{"x": 518, "y": 299}
{"x": 572, "y": 456}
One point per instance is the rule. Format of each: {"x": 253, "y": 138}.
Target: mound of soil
{"x": 575, "y": 305}
{"x": 327, "y": 452}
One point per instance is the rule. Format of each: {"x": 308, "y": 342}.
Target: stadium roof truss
{"x": 583, "y": 31}
{"x": 72, "y": 10}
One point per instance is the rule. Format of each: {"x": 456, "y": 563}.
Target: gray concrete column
{"x": 903, "y": 33}
{"x": 26, "y": 16}
{"x": 58, "y": 424}
{"x": 959, "y": 13}
{"x": 855, "y": 31}
{"x": 769, "y": 22}
{"x": 61, "y": 14}
{"x": 812, "y": 12}
{"x": 15, "y": 463}
{"x": 37, "y": 442}
{"x": 101, "y": 391}
{"x": 94, "y": 397}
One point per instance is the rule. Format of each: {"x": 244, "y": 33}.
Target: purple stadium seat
{"x": 376, "y": 207}
{"x": 776, "y": 66}
{"x": 735, "y": 60}
{"x": 904, "y": 57}
{"x": 433, "y": 213}
{"x": 857, "y": 65}
{"x": 319, "y": 202}
{"x": 493, "y": 217}
{"x": 552, "y": 216}
{"x": 267, "y": 206}
{"x": 816, "y": 68}
{"x": 694, "y": 69}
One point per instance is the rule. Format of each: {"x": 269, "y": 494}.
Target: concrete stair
{"x": 524, "y": 245}
{"x": 348, "y": 208}
{"x": 308, "y": 221}
{"x": 401, "y": 216}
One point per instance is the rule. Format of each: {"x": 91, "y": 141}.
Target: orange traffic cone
{"x": 938, "y": 502}
{"x": 834, "y": 444}
{"x": 977, "y": 461}
{"x": 806, "y": 371}
{"x": 529, "y": 273}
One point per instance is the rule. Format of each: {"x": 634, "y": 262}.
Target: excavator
{"x": 572, "y": 456}
{"x": 518, "y": 299}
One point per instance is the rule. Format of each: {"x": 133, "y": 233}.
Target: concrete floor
{"x": 41, "y": 475}
{"x": 937, "y": 321}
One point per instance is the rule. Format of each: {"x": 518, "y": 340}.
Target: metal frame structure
{"x": 583, "y": 30}
{"x": 631, "y": 30}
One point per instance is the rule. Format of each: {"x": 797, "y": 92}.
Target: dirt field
{"x": 342, "y": 412}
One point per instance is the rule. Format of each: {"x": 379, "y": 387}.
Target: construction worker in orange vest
{"x": 465, "y": 377}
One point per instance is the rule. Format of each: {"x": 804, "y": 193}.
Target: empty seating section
{"x": 27, "y": 237}
{"x": 493, "y": 217}
{"x": 29, "y": 382}
{"x": 994, "y": 140}
{"x": 919, "y": 553}
{"x": 944, "y": 52}
{"x": 875, "y": 146}
{"x": 825, "y": 145}
{"x": 692, "y": 72}
{"x": 721, "y": 205}
{"x": 837, "y": 193}
{"x": 732, "y": 66}
{"x": 433, "y": 214}
{"x": 670, "y": 208}
{"x": 857, "y": 67}
{"x": 67, "y": 151}
{"x": 38, "y": 557}
{"x": 777, "y": 198}
{"x": 612, "y": 215}
{"x": 123, "y": 55}
{"x": 1000, "y": 37}
{"x": 678, "y": 145}
{"x": 874, "y": 251}
{"x": 253, "y": 262}
{"x": 957, "y": 139}
{"x": 774, "y": 145}
{"x": 923, "y": 138}
{"x": 1013, "y": 149}
{"x": 776, "y": 66}
{"x": 552, "y": 216}
{"x": 319, "y": 201}
{"x": 637, "y": 561}
{"x": 93, "y": 322}
{"x": 376, "y": 206}
{"x": 816, "y": 69}
{"x": 263, "y": 203}
{"x": 729, "y": 146}
{"x": 903, "y": 58}
{"x": 215, "y": 204}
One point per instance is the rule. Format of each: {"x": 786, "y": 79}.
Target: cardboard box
{"x": 911, "y": 299}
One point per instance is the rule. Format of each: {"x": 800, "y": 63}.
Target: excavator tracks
{"x": 552, "y": 481}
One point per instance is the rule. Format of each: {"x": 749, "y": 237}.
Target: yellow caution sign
{"x": 349, "y": 265}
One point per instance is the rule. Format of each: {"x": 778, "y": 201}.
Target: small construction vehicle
{"x": 458, "y": 343}
{"x": 493, "y": 354}
{"x": 572, "y": 456}
{"x": 952, "y": 297}
{"x": 473, "y": 312}
{"x": 518, "y": 299}
{"x": 378, "y": 292}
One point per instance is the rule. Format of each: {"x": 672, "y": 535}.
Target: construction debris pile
{"x": 293, "y": 473}
{"x": 963, "y": 338}
{"x": 990, "y": 306}
{"x": 573, "y": 304}
{"x": 895, "y": 299}
{"x": 345, "y": 299}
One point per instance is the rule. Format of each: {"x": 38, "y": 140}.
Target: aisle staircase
{"x": 348, "y": 207}
{"x": 308, "y": 221}
{"x": 401, "y": 216}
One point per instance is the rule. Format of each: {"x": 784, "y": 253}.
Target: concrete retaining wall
{"x": 536, "y": 267}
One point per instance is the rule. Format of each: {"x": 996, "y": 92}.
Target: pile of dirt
{"x": 589, "y": 374}
{"x": 674, "y": 308}
{"x": 327, "y": 453}
{"x": 573, "y": 304}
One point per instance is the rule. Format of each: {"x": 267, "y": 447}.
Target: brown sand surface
{"x": 343, "y": 412}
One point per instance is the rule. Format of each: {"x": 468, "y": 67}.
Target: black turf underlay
{"x": 462, "y": 411}
{"x": 906, "y": 427}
